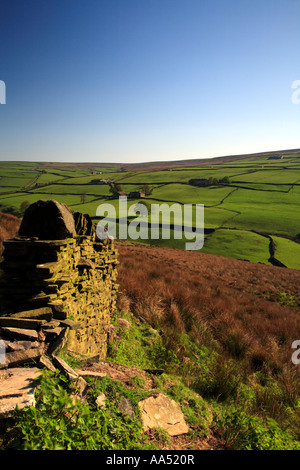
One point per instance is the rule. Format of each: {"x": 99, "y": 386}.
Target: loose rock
{"x": 17, "y": 388}
{"x": 122, "y": 323}
{"x": 125, "y": 406}
{"x": 100, "y": 400}
{"x": 162, "y": 412}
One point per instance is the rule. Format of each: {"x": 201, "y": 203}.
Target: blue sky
{"x": 147, "y": 80}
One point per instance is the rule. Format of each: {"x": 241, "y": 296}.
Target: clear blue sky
{"x": 145, "y": 80}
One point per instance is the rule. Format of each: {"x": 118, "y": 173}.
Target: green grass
{"x": 74, "y": 180}
{"x": 17, "y": 165}
{"x": 95, "y": 189}
{"x": 217, "y": 400}
{"x": 46, "y": 178}
{"x": 172, "y": 242}
{"x": 7, "y": 189}
{"x": 18, "y": 173}
{"x": 187, "y": 194}
{"x": 146, "y": 350}
{"x": 64, "y": 173}
{"x": 288, "y": 252}
{"x": 270, "y": 212}
{"x": 270, "y": 176}
{"x": 17, "y": 181}
{"x": 14, "y": 202}
{"x": 182, "y": 175}
{"x": 238, "y": 244}
{"x": 270, "y": 204}
{"x": 283, "y": 188}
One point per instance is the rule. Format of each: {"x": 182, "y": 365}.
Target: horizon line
{"x": 188, "y": 159}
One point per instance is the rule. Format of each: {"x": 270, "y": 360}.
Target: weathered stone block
{"x": 17, "y": 358}
{"x": 21, "y": 323}
{"x": 44, "y": 313}
{"x": 19, "y": 333}
{"x": 48, "y": 220}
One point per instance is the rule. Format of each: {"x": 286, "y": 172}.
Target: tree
{"x": 212, "y": 181}
{"x": 23, "y": 206}
{"x": 147, "y": 189}
{"x": 115, "y": 189}
{"x": 224, "y": 180}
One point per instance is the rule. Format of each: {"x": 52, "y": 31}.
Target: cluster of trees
{"x": 147, "y": 189}
{"x": 211, "y": 181}
{"x": 116, "y": 188}
{"x": 215, "y": 181}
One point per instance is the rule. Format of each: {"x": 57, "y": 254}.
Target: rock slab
{"x": 164, "y": 413}
{"x": 17, "y": 387}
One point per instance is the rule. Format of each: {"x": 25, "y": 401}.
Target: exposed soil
{"x": 121, "y": 373}
{"x": 124, "y": 374}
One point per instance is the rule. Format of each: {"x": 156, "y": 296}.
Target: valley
{"x": 251, "y": 204}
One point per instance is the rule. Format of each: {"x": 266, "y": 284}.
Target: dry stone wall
{"x": 57, "y": 291}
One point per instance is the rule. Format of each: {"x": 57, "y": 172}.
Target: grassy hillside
{"x": 231, "y": 325}
{"x": 217, "y": 331}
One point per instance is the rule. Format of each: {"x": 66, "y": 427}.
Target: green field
{"x": 238, "y": 244}
{"x": 286, "y": 176}
{"x": 288, "y": 252}
{"x": 187, "y": 194}
{"x": 178, "y": 175}
{"x": 97, "y": 190}
{"x": 261, "y": 195}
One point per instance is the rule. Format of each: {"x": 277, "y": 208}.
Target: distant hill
{"x": 204, "y": 161}
{"x": 160, "y": 165}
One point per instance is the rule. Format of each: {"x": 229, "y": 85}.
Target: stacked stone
{"x": 60, "y": 289}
